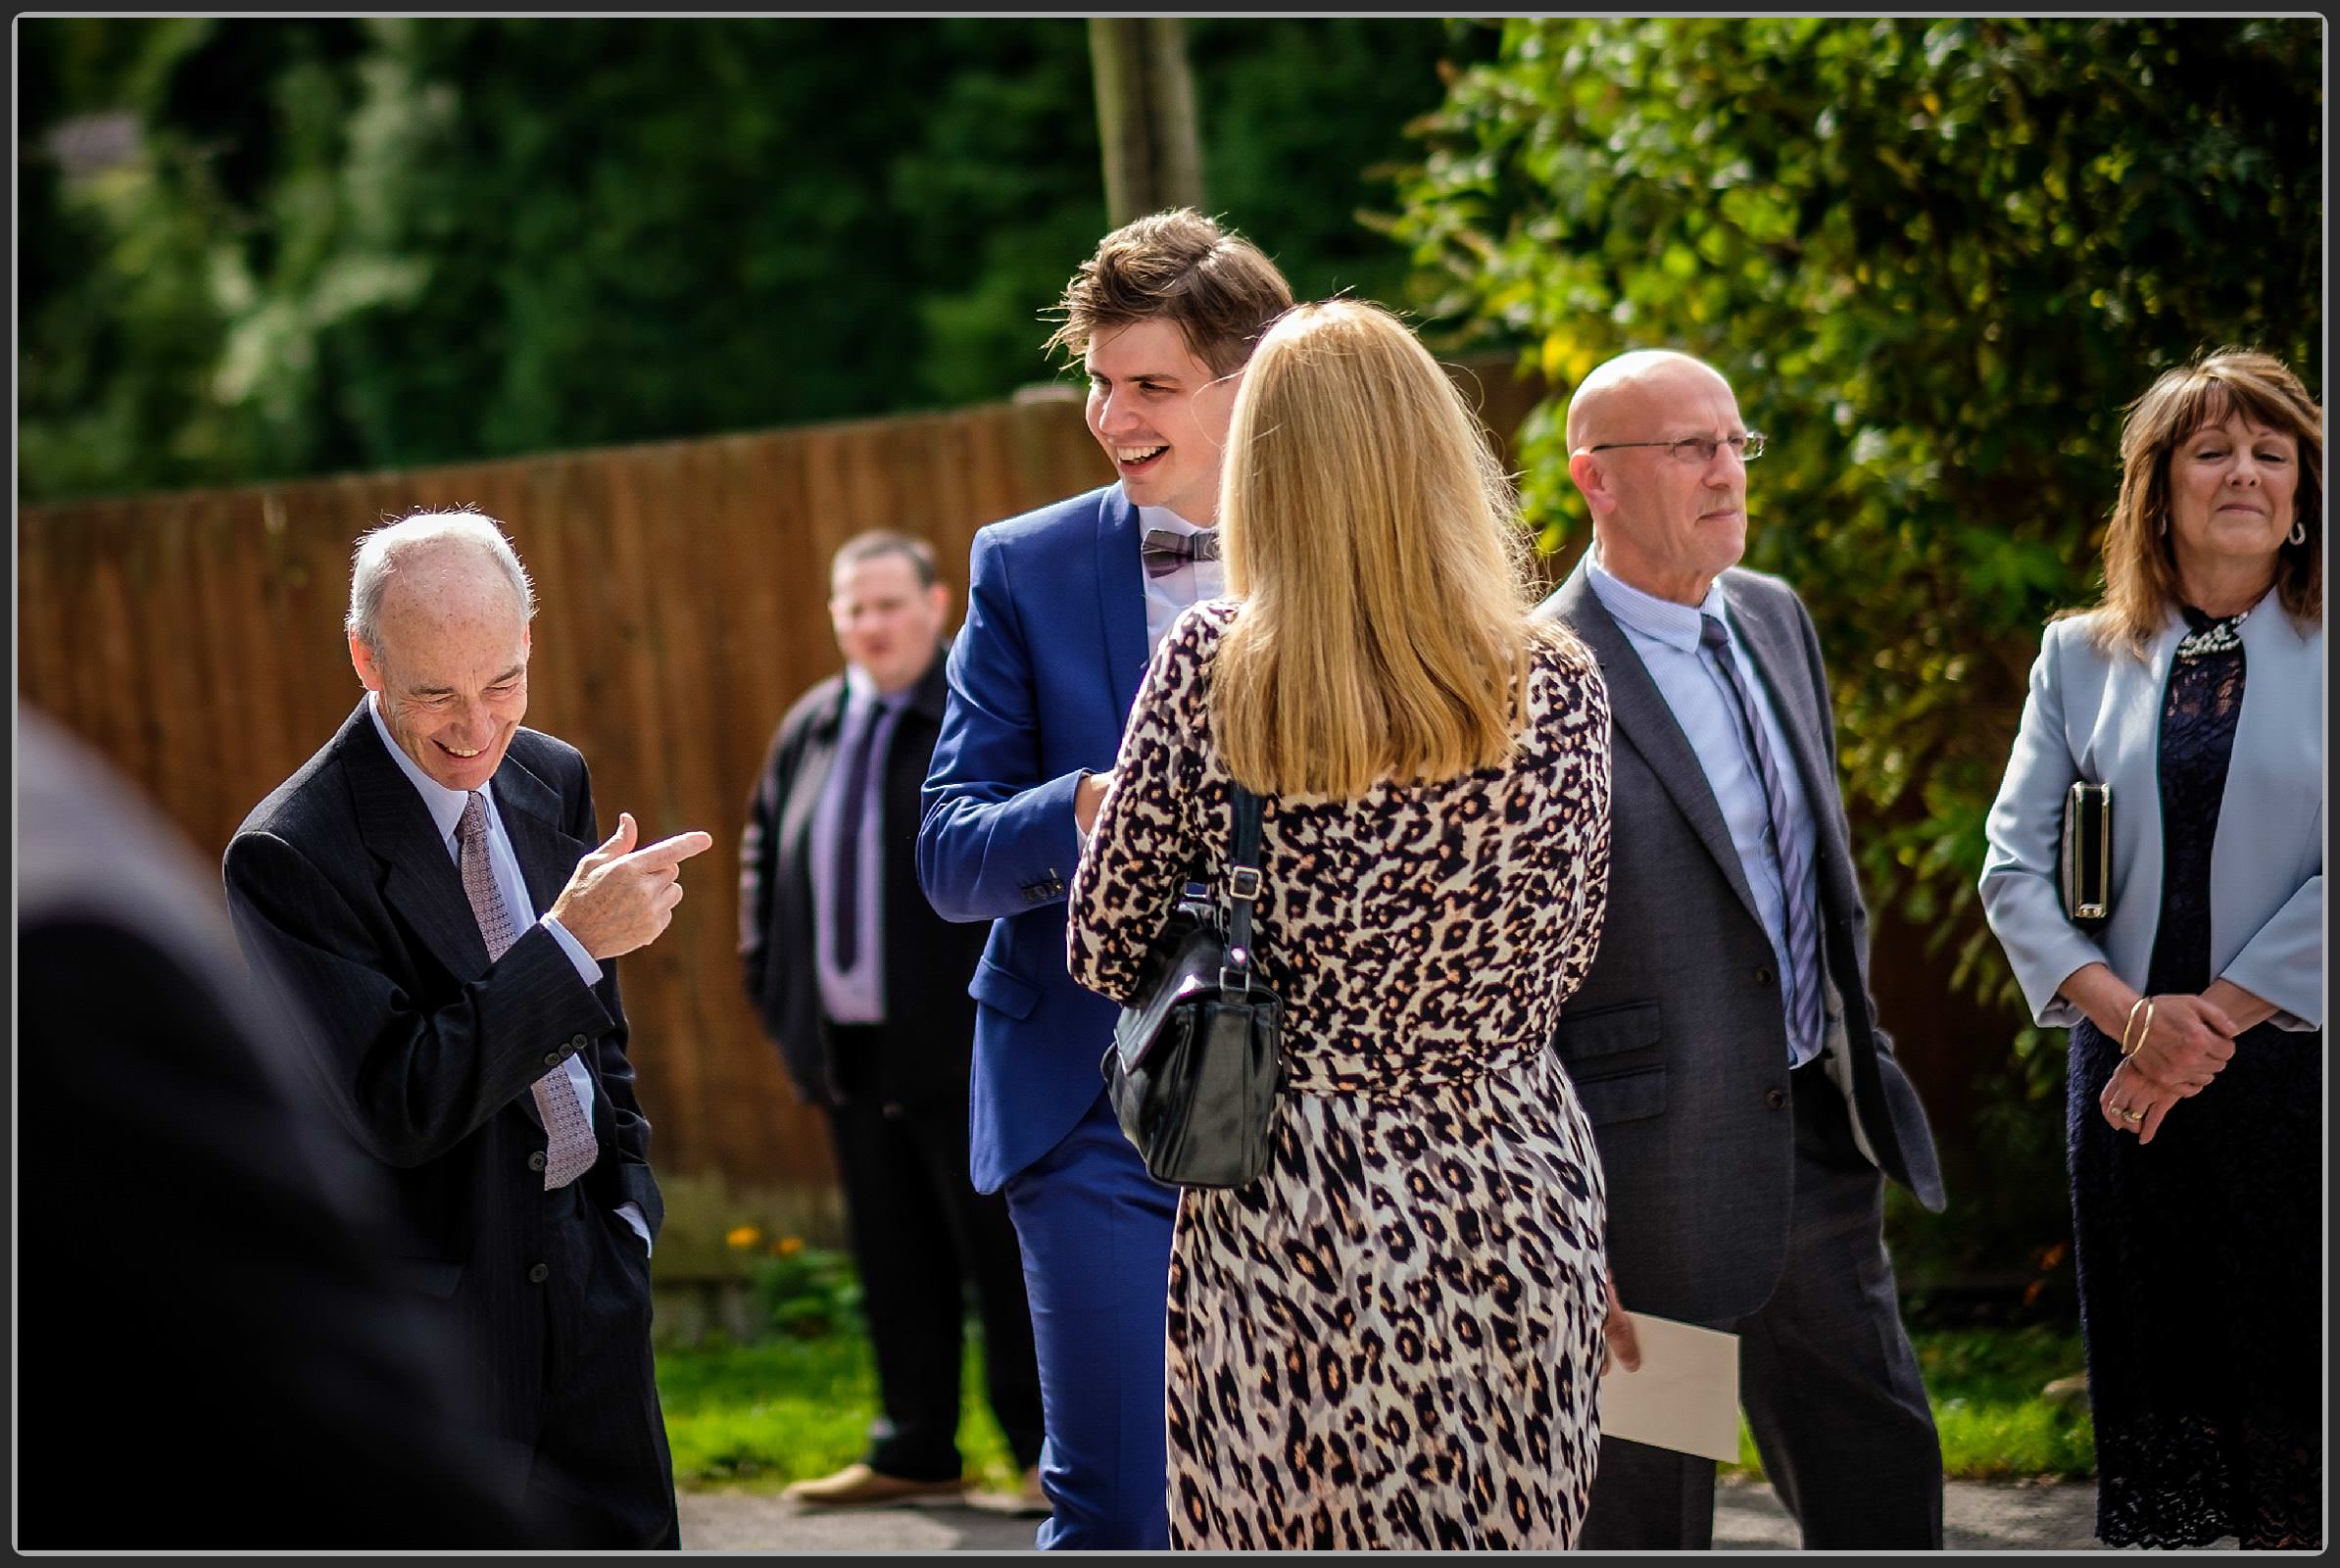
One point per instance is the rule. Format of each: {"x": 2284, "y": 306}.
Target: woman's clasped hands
{"x": 2175, "y": 1045}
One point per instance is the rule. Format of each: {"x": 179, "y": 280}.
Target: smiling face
{"x": 886, "y": 622}
{"x": 452, "y": 670}
{"x": 2232, "y": 490}
{"x": 1667, "y": 527}
{"x": 1160, "y": 415}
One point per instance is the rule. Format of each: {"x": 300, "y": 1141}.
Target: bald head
{"x": 1621, "y": 392}
{"x": 436, "y": 559}
{"x": 1666, "y": 522}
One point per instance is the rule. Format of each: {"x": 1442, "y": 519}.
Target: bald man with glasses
{"x": 1747, "y": 1108}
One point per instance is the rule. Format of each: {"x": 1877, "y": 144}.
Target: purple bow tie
{"x": 1164, "y": 550}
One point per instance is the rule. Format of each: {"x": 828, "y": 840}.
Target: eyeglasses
{"x": 1698, "y": 451}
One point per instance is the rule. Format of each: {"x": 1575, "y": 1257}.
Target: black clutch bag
{"x": 2085, "y": 867}
{"x": 1198, "y": 1060}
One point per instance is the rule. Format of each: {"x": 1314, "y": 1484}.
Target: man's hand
{"x": 1088, "y": 796}
{"x": 1624, "y": 1347}
{"x": 620, "y": 898}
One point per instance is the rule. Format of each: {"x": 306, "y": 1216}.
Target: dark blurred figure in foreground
{"x": 207, "y": 1355}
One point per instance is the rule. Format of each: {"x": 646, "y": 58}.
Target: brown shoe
{"x": 856, "y": 1486}
{"x": 1027, "y": 1502}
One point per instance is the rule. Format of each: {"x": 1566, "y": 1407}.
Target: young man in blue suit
{"x": 1064, "y": 606}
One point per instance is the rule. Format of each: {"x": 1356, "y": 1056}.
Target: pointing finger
{"x": 669, "y": 852}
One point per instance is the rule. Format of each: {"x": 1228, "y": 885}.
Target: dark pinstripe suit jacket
{"x": 340, "y": 883}
{"x": 1677, "y": 1042}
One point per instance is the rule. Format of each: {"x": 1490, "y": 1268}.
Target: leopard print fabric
{"x": 1392, "y": 1337}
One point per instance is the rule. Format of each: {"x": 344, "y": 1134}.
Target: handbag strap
{"x": 1243, "y": 888}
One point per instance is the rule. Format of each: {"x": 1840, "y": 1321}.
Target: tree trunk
{"x": 1144, "y": 115}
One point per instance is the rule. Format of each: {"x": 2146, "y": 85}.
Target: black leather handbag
{"x": 1198, "y": 1060}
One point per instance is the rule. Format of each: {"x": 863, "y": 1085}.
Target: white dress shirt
{"x": 1667, "y": 637}
{"x": 446, "y": 807}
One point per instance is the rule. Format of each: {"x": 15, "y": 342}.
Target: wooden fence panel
{"x": 195, "y": 639}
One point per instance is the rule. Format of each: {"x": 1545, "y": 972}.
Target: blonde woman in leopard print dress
{"x": 1393, "y": 1337}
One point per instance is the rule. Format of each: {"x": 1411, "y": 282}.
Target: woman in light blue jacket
{"x": 2195, "y": 691}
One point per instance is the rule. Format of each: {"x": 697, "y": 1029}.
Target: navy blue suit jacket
{"x": 1042, "y": 676}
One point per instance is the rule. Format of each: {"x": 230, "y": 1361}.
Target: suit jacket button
{"x": 1775, "y": 1097}
{"x": 553, "y": 1057}
{"x": 536, "y": 1162}
{"x": 576, "y": 1041}
{"x": 538, "y": 1274}
{"x": 1763, "y": 974}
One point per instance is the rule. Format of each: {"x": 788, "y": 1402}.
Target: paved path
{"x": 1979, "y": 1516}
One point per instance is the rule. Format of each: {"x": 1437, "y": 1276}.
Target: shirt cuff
{"x": 587, "y": 969}
{"x": 631, "y": 1213}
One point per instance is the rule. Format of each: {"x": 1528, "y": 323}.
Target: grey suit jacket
{"x": 1676, "y": 1043}
{"x": 2095, "y": 713}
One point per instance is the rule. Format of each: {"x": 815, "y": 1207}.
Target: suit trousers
{"x": 1096, "y": 1230}
{"x": 1826, "y": 1377}
{"x": 921, "y": 1235}
{"x": 602, "y": 1478}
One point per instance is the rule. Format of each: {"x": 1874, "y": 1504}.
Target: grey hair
{"x": 380, "y": 551}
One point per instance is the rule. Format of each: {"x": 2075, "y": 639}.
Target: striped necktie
{"x": 1796, "y": 865}
{"x": 570, "y": 1149}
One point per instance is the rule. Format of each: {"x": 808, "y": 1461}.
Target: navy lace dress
{"x": 2199, "y": 1258}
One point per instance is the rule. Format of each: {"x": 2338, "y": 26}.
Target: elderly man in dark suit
{"x": 1746, "y": 1105}
{"x": 865, "y": 990}
{"x": 428, "y": 889}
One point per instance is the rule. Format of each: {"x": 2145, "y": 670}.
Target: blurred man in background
{"x": 211, "y": 1352}
{"x": 864, "y": 988}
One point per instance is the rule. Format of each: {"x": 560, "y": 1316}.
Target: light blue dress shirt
{"x": 446, "y": 807}
{"x": 1667, "y": 637}
{"x": 858, "y": 996}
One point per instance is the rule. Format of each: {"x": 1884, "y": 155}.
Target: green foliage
{"x": 389, "y": 242}
{"x": 1936, "y": 260}
{"x": 808, "y": 1292}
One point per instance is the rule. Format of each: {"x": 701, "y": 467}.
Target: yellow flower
{"x": 743, "y": 1237}
{"x": 787, "y": 1246}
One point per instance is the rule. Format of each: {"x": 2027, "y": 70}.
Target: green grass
{"x": 787, "y": 1409}
{"x": 1985, "y": 1385}
{"x": 766, "y": 1414}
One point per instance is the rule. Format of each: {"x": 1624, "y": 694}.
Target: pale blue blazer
{"x": 2095, "y": 713}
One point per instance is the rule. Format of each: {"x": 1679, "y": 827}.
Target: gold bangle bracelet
{"x": 2127, "y": 1050}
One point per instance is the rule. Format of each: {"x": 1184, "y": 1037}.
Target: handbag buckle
{"x": 1235, "y": 975}
{"x": 1244, "y": 883}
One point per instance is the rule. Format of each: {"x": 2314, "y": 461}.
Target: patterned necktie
{"x": 1803, "y": 943}
{"x": 571, "y": 1147}
{"x": 1165, "y": 549}
{"x": 845, "y": 892}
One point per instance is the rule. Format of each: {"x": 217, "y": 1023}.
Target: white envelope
{"x": 1683, "y": 1398}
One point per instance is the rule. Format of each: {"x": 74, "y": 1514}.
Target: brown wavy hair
{"x": 1178, "y": 266}
{"x": 2141, "y": 586}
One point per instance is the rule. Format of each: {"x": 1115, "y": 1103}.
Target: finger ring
{"x": 2131, "y": 1115}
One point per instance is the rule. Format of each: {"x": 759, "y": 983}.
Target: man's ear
{"x": 1584, "y": 470}
{"x": 370, "y": 669}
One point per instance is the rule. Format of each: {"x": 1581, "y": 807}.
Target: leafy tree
{"x": 391, "y": 242}
{"x": 1936, "y": 260}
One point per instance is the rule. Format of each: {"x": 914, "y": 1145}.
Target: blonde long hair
{"x": 2141, "y": 586}
{"x": 1374, "y": 540}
